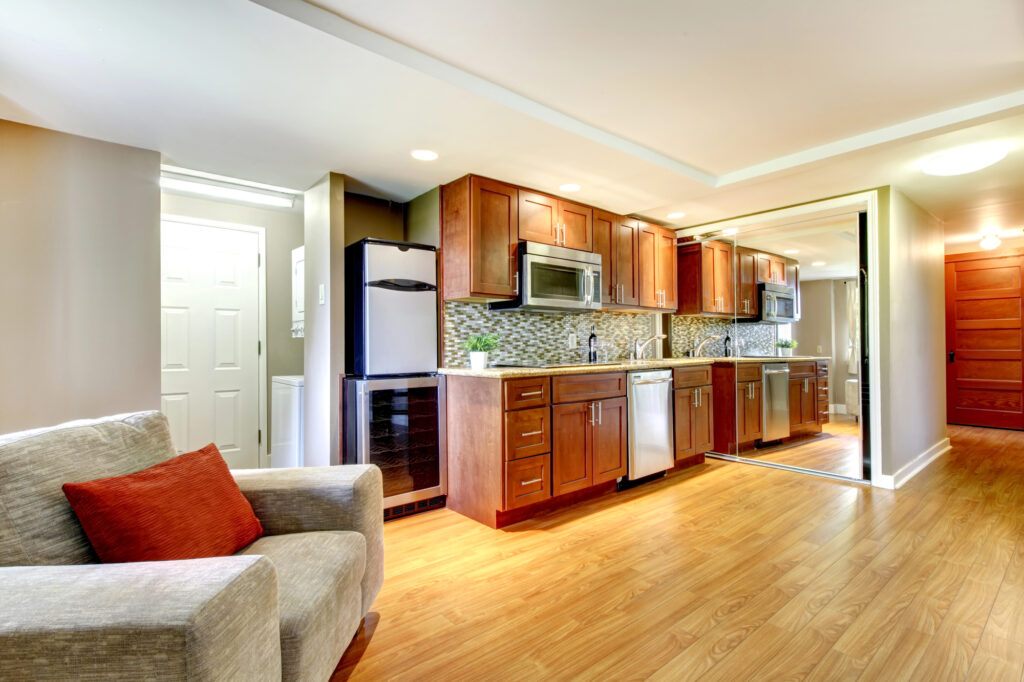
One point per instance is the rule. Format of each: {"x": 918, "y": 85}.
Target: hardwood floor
{"x": 723, "y": 572}
{"x": 835, "y": 450}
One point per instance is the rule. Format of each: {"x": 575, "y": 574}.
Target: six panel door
{"x": 983, "y": 340}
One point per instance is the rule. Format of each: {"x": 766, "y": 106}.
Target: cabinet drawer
{"x": 822, "y": 381}
{"x": 802, "y": 369}
{"x": 748, "y": 371}
{"x": 688, "y": 377}
{"x": 527, "y": 392}
{"x": 527, "y": 481}
{"x": 822, "y": 369}
{"x": 579, "y": 387}
{"x": 527, "y": 432}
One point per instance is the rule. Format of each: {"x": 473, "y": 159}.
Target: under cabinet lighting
{"x": 571, "y": 187}
{"x": 966, "y": 159}
{"x": 222, "y": 192}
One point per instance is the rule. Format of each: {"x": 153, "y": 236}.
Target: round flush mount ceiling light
{"x": 423, "y": 154}
{"x": 729, "y": 231}
{"x": 677, "y": 214}
{"x": 818, "y": 263}
{"x": 989, "y": 242}
{"x": 966, "y": 159}
{"x": 790, "y": 252}
{"x": 570, "y": 187}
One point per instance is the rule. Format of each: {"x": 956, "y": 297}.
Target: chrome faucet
{"x": 639, "y": 347}
{"x": 698, "y": 348}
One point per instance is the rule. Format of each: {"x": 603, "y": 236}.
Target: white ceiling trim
{"x": 917, "y": 126}
{"x": 376, "y": 43}
{"x": 352, "y": 33}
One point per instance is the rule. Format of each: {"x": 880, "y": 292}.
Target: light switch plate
{"x": 819, "y": 349}
{"x": 322, "y": 294}
{"x": 570, "y": 342}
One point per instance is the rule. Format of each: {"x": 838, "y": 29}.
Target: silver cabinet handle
{"x": 530, "y": 433}
{"x": 517, "y": 283}
{"x": 600, "y": 412}
{"x": 696, "y": 397}
{"x": 531, "y": 481}
{"x": 526, "y": 393}
{"x": 805, "y": 385}
{"x": 591, "y": 420}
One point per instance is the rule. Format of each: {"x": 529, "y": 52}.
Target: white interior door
{"x": 209, "y": 331}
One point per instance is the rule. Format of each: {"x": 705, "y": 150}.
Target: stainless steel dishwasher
{"x": 774, "y": 401}
{"x": 650, "y": 422}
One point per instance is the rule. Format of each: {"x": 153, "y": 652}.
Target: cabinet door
{"x": 666, "y": 275}
{"x": 746, "y": 278}
{"x": 792, "y": 270}
{"x": 604, "y": 246}
{"x": 647, "y": 247}
{"x": 809, "y": 402}
{"x": 538, "y": 218}
{"x": 527, "y": 433}
{"x": 493, "y": 227}
{"x": 684, "y": 433}
{"x": 571, "y": 467}
{"x": 796, "y": 388}
{"x": 702, "y": 421}
{"x": 710, "y": 302}
{"x": 754, "y": 409}
{"x": 771, "y": 268}
{"x": 577, "y": 223}
{"x": 748, "y": 411}
{"x": 527, "y": 481}
{"x": 624, "y": 262}
{"x": 723, "y": 279}
{"x": 609, "y": 442}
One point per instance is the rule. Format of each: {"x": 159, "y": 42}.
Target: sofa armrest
{"x": 202, "y": 619}
{"x": 347, "y": 497}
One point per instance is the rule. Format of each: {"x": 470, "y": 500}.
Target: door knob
{"x": 952, "y": 356}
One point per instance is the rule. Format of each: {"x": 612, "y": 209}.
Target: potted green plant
{"x": 786, "y": 347}
{"x": 478, "y": 346}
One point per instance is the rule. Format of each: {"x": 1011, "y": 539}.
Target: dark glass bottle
{"x": 592, "y": 345}
{"x": 728, "y": 346}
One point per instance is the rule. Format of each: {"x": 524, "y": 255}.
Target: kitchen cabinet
{"x": 480, "y": 219}
{"x": 550, "y": 220}
{"x": 792, "y": 271}
{"x": 589, "y": 435}
{"x": 823, "y": 401}
{"x": 803, "y": 403}
{"x": 747, "y": 296}
{"x": 705, "y": 272}
{"x": 749, "y": 408}
{"x": 615, "y": 239}
{"x": 771, "y": 269}
{"x": 656, "y": 263}
{"x": 694, "y": 424}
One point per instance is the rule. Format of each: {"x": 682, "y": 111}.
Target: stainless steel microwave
{"x": 778, "y": 304}
{"x": 554, "y": 278}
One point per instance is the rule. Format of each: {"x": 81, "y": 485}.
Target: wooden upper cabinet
{"x": 479, "y": 225}
{"x": 747, "y": 299}
{"x": 604, "y": 246}
{"x": 577, "y": 225}
{"x": 550, "y": 220}
{"x": 792, "y": 270}
{"x": 771, "y": 268}
{"x": 666, "y": 266}
{"x": 538, "y": 218}
{"x": 705, "y": 272}
{"x": 625, "y": 254}
{"x": 647, "y": 249}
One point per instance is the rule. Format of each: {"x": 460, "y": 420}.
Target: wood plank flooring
{"x": 723, "y": 572}
{"x": 835, "y": 450}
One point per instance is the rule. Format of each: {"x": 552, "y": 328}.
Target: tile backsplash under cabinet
{"x": 544, "y": 337}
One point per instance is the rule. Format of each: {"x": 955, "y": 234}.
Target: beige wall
{"x": 284, "y": 232}
{"x": 79, "y": 278}
{"x": 839, "y": 373}
{"x": 813, "y": 333}
{"x": 913, "y": 335}
{"x": 371, "y": 217}
{"x": 423, "y": 218}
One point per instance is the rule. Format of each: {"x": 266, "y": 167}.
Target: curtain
{"x": 853, "y": 317}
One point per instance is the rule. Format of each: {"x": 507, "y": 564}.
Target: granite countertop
{"x": 616, "y": 366}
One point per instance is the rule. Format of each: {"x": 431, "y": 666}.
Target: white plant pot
{"x": 478, "y": 360}
{"x": 785, "y": 352}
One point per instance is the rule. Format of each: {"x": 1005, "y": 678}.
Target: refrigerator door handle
{"x": 401, "y": 285}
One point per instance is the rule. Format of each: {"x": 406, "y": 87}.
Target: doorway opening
{"x": 213, "y": 337}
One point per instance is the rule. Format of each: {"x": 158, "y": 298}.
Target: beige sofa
{"x": 285, "y": 607}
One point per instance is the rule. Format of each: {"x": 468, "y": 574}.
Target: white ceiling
{"x": 831, "y": 241}
{"x": 623, "y": 98}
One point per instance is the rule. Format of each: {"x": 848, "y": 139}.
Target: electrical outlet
{"x": 819, "y": 349}
{"x": 570, "y": 341}
{"x": 322, "y": 294}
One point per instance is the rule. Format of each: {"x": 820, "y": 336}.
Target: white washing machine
{"x": 286, "y": 421}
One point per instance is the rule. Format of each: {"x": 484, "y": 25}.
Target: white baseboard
{"x": 837, "y": 408}
{"x": 913, "y": 467}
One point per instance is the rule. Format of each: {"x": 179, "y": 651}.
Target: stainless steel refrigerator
{"x": 394, "y": 413}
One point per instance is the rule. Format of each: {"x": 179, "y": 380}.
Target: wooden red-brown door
{"x": 604, "y": 246}
{"x": 577, "y": 222}
{"x": 983, "y": 340}
{"x": 571, "y": 465}
{"x": 538, "y": 218}
{"x": 647, "y": 249}
{"x": 493, "y": 226}
{"x": 609, "y": 443}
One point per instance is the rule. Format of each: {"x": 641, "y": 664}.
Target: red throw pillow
{"x": 185, "y": 508}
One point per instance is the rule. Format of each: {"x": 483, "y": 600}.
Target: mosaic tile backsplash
{"x": 541, "y": 337}
{"x": 749, "y": 338}
{"x": 545, "y": 337}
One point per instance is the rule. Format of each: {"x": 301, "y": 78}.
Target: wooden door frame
{"x": 850, "y": 203}
{"x": 261, "y": 307}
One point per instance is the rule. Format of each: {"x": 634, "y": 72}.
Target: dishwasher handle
{"x": 776, "y": 371}
{"x": 652, "y": 381}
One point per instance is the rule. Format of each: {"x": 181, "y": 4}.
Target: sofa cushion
{"x": 37, "y": 526}
{"x": 188, "y": 507}
{"x": 319, "y": 597}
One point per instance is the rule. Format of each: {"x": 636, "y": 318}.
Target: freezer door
{"x": 400, "y": 331}
{"x": 391, "y": 262}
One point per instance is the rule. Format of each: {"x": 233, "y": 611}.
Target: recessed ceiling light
{"x": 423, "y": 154}
{"x": 678, "y": 214}
{"x": 729, "y": 231}
{"x": 818, "y": 263}
{"x": 571, "y": 187}
{"x": 790, "y": 252}
{"x": 990, "y": 242}
{"x": 966, "y": 159}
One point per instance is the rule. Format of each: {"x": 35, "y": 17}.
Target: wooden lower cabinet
{"x": 588, "y": 445}
{"x": 749, "y": 409}
{"x": 803, "y": 404}
{"x": 527, "y": 480}
{"x": 694, "y": 421}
